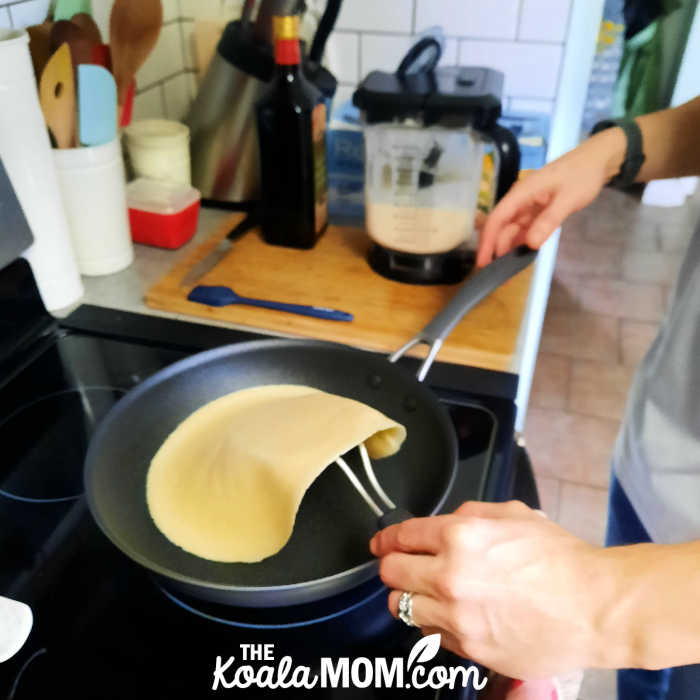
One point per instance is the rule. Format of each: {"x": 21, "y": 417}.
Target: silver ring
{"x": 406, "y": 609}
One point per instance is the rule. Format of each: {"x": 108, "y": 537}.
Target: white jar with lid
{"x": 159, "y": 149}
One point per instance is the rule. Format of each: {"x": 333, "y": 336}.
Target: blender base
{"x": 433, "y": 268}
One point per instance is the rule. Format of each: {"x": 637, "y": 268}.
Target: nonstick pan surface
{"x": 328, "y": 550}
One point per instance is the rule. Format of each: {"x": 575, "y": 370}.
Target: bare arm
{"x": 512, "y": 590}
{"x": 535, "y": 207}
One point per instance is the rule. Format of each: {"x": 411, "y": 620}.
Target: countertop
{"x": 126, "y": 290}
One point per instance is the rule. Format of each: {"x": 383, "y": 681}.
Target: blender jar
{"x": 421, "y": 186}
{"x": 425, "y": 135}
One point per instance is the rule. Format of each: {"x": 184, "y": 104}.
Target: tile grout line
{"x": 519, "y": 19}
{"x": 458, "y": 37}
{"x": 359, "y": 55}
{"x": 413, "y": 16}
{"x": 160, "y": 82}
{"x": 163, "y": 101}
{"x": 183, "y": 47}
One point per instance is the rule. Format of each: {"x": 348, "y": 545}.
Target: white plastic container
{"x": 26, "y": 154}
{"x": 159, "y": 149}
{"x": 94, "y": 192}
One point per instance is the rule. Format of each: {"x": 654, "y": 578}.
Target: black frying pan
{"x": 327, "y": 553}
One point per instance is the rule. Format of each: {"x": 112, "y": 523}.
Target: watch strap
{"x": 634, "y": 155}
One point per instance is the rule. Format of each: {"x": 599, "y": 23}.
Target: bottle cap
{"x": 286, "y": 27}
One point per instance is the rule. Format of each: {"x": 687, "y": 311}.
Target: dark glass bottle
{"x": 291, "y": 132}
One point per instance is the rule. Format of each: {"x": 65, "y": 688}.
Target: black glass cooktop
{"x": 103, "y": 627}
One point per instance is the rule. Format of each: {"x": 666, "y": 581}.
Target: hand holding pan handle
{"x": 469, "y": 295}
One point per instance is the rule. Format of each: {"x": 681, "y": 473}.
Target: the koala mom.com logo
{"x": 253, "y": 669}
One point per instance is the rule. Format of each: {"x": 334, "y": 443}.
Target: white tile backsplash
{"x": 377, "y": 15}
{"x": 531, "y": 70}
{"x": 178, "y": 96}
{"x": 26, "y": 14}
{"x": 165, "y": 60}
{"x": 149, "y": 104}
{"x": 492, "y": 19}
{"x": 5, "y": 20}
{"x": 187, "y": 28}
{"x": 450, "y": 53}
{"x": 544, "y": 20}
{"x": 342, "y": 52}
{"x": 382, "y": 51}
{"x": 171, "y": 10}
{"x": 523, "y": 38}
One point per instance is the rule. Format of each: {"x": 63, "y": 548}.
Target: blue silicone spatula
{"x": 97, "y": 105}
{"x": 223, "y": 296}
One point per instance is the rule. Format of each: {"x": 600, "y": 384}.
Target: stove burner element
{"x": 45, "y": 443}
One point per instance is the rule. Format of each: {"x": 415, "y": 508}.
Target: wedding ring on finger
{"x": 406, "y": 609}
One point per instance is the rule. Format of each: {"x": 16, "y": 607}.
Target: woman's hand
{"x": 537, "y": 205}
{"x": 504, "y": 586}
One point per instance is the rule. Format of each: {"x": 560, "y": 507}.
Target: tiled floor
{"x": 616, "y": 264}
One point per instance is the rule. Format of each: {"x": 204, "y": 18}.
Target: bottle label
{"x": 318, "y": 137}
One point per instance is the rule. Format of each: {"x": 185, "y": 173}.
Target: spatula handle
{"x": 300, "y": 309}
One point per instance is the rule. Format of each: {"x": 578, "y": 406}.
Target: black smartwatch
{"x": 634, "y": 156}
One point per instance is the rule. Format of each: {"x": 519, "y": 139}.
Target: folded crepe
{"x": 227, "y": 482}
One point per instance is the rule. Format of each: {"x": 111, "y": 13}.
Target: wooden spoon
{"x": 88, "y": 25}
{"x": 40, "y": 45}
{"x": 57, "y": 97}
{"x": 134, "y": 26}
{"x": 81, "y": 45}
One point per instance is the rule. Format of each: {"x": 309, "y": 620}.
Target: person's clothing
{"x": 680, "y": 683}
{"x": 657, "y": 454}
{"x": 639, "y": 80}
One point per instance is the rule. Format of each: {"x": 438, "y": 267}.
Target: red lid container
{"x": 162, "y": 214}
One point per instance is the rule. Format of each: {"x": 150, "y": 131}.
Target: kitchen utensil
{"x": 65, "y": 9}
{"x": 40, "y": 45}
{"x": 196, "y": 272}
{"x": 425, "y": 131}
{"x": 101, "y": 56}
{"x": 134, "y": 26}
{"x": 85, "y": 21}
{"x": 16, "y": 622}
{"x": 94, "y": 193}
{"x": 225, "y": 158}
{"x": 162, "y": 214}
{"x": 128, "y": 106}
{"x": 224, "y": 296}
{"x": 97, "y": 105}
{"x": 25, "y": 151}
{"x": 57, "y": 97}
{"x": 81, "y": 45}
{"x": 327, "y": 553}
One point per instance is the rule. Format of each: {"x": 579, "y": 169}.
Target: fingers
{"x": 518, "y": 203}
{"x": 419, "y": 535}
{"x": 427, "y": 612}
{"x": 505, "y": 239}
{"x": 479, "y": 509}
{"x": 410, "y": 572}
{"x": 550, "y": 219}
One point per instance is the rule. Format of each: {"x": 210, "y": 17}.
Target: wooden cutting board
{"x": 335, "y": 274}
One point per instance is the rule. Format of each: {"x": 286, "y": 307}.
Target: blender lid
{"x": 458, "y": 95}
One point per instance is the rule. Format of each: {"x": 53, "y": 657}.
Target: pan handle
{"x": 469, "y": 295}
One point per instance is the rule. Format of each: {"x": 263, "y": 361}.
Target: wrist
{"x": 612, "y": 146}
